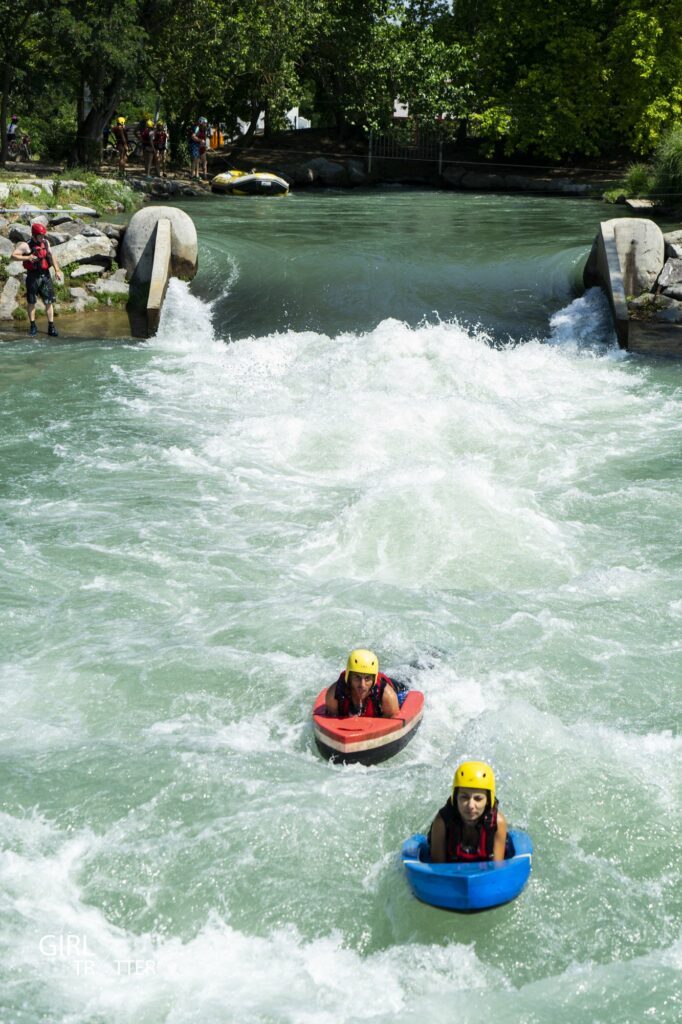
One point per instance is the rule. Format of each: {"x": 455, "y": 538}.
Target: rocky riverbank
{"x": 87, "y": 252}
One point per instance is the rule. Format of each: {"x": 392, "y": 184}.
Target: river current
{"x": 379, "y": 419}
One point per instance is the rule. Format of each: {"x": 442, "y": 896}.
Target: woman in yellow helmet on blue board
{"x": 470, "y": 826}
{"x": 362, "y": 689}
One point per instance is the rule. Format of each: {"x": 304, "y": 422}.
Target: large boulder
{"x": 137, "y": 249}
{"x": 6, "y": 246}
{"x": 671, "y": 275}
{"x": 673, "y": 244}
{"x": 20, "y": 233}
{"x": 87, "y": 268}
{"x": 453, "y": 175}
{"x": 641, "y": 251}
{"x": 83, "y": 250}
{"x": 8, "y": 298}
{"x": 357, "y": 175}
{"x": 328, "y": 172}
{"x": 298, "y": 174}
{"x": 110, "y": 287}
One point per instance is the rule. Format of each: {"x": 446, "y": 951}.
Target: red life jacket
{"x": 486, "y": 827}
{"x": 372, "y": 705}
{"x": 160, "y": 138}
{"x": 41, "y": 252}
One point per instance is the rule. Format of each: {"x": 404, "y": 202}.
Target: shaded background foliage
{"x": 538, "y": 77}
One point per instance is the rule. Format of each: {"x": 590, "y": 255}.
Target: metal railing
{"x": 419, "y": 146}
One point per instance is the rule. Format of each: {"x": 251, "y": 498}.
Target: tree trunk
{"x": 6, "y": 83}
{"x": 88, "y": 143}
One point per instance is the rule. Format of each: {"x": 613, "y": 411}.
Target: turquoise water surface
{"x": 380, "y": 419}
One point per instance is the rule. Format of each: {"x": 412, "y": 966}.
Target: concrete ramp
{"x": 159, "y": 243}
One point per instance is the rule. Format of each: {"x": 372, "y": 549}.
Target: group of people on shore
{"x": 470, "y": 826}
{"x": 152, "y": 136}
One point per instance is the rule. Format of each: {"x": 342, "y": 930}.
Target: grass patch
{"x": 104, "y": 195}
{"x": 117, "y": 299}
{"x": 20, "y": 314}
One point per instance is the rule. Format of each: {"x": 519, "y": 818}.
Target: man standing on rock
{"x": 37, "y": 258}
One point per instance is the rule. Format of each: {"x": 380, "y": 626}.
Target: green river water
{"x": 374, "y": 419}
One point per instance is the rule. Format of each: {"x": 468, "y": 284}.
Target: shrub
{"x": 20, "y": 314}
{"x": 638, "y": 180}
{"x": 668, "y": 167}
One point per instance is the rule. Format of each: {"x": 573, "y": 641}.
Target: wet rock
{"x": 453, "y": 175}
{"x": 672, "y": 315}
{"x": 356, "y": 172}
{"x": 297, "y": 174}
{"x": 81, "y": 299}
{"x": 328, "y": 172}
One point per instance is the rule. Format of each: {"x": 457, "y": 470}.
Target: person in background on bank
{"x": 470, "y": 827}
{"x": 37, "y": 258}
{"x": 197, "y": 146}
{"x": 12, "y": 128}
{"x": 148, "y": 151}
{"x": 121, "y": 140}
{"x": 362, "y": 689}
{"x": 160, "y": 146}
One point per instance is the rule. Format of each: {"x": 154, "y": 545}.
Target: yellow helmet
{"x": 120, "y": 120}
{"x": 475, "y": 775}
{"x": 361, "y": 660}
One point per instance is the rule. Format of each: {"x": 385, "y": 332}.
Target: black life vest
{"x": 146, "y": 136}
{"x": 41, "y": 257}
{"x": 372, "y": 705}
{"x": 486, "y": 827}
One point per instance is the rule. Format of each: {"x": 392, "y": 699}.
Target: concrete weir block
{"x": 160, "y": 274}
{"x": 137, "y": 254}
{"x": 603, "y": 268}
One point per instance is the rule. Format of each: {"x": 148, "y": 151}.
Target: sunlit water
{"x": 378, "y": 419}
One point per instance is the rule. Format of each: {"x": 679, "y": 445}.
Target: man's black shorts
{"x": 39, "y": 283}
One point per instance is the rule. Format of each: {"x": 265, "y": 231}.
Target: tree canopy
{"x": 595, "y": 77}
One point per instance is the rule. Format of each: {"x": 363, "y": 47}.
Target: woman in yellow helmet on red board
{"x": 362, "y": 689}
{"x": 470, "y": 826}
